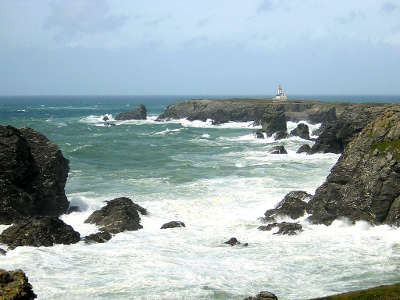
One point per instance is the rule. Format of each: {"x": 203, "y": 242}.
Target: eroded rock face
{"x": 304, "y": 149}
{"x": 33, "y": 173}
{"x": 14, "y": 285}
{"x": 301, "y": 131}
{"x": 99, "y": 237}
{"x": 278, "y": 150}
{"x": 173, "y": 224}
{"x": 39, "y": 231}
{"x": 293, "y": 205}
{"x": 365, "y": 182}
{"x": 274, "y": 122}
{"x": 139, "y": 113}
{"x": 285, "y": 228}
{"x": 118, "y": 215}
{"x": 265, "y": 295}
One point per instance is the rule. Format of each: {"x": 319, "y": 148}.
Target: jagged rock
{"x": 259, "y": 134}
{"x": 14, "y": 285}
{"x": 293, "y": 206}
{"x": 99, "y": 237}
{"x": 3, "y": 252}
{"x": 173, "y": 224}
{"x": 278, "y": 150}
{"x": 274, "y": 122}
{"x": 301, "y": 131}
{"x": 39, "y": 231}
{"x": 265, "y": 295}
{"x": 365, "y": 182}
{"x": 336, "y": 135}
{"x": 33, "y": 173}
{"x": 72, "y": 209}
{"x": 304, "y": 149}
{"x": 285, "y": 228}
{"x": 118, "y": 215}
{"x": 105, "y": 118}
{"x": 317, "y": 131}
{"x": 139, "y": 113}
{"x": 234, "y": 241}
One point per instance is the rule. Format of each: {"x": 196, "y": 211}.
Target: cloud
{"x": 388, "y": 8}
{"x": 350, "y": 17}
{"x": 266, "y": 5}
{"x": 82, "y": 17}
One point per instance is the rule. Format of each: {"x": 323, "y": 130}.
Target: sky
{"x": 205, "y": 47}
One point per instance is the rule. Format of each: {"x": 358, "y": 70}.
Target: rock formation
{"x": 3, "y": 252}
{"x": 365, "y": 182}
{"x": 304, "y": 149}
{"x": 278, "y": 150}
{"x": 139, "y": 113}
{"x": 118, "y": 215}
{"x": 39, "y": 231}
{"x": 234, "y": 242}
{"x": 285, "y": 228}
{"x": 293, "y": 205}
{"x": 274, "y": 122}
{"x": 99, "y": 237}
{"x": 33, "y": 173}
{"x": 262, "y": 296}
{"x": 14, "y": 285}
{"x": 173, "y": 224}
{"x": 301, "y": 131}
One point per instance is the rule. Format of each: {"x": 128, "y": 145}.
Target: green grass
{"x": 388, "y": 146}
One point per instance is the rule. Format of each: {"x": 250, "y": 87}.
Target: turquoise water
{"x": 218, "y": 180}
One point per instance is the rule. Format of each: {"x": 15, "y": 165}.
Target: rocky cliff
{"x": 365, "y": 182}
{"x": 33, "y": 173}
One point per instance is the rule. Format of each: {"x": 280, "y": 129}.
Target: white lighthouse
{"x": 280, "y": 94}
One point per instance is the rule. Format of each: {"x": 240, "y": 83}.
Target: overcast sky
{"x": 128, "y": 47}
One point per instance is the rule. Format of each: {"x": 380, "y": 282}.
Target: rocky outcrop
{"x": 259, "y": 134}
{"x": 3, "y": 252}
{"x": 334, "y": 136}
{"x": 33, "y": 173}
{"x": 99, "y": 237}
{"x": 262, "y": 296}
{"x": 234, "y": 242}
{"x": 365, "y": 182}
{"x": 14, "y": 285}
{"x": 285, "y": 228}
{"x": 301, "y": 131}
{"x": 173, "y": 224}
{"x": 119, "y": 215}
{"x": 293, "y": 205}
{"x": 278, "y": 150}
{"x": 274, "y": 122}
{"x": 304, "y": 149}
{"x": 139, "y": 113}
{"x": 39, "y": 231}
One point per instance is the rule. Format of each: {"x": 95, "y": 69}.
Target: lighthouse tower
{"x": 280, "y": 94}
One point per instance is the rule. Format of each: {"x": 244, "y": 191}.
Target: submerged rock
{"x": 99, "y": 237}
{"x": 3, "y": 252}
{"x": 285, "y": 228}
{"x": 365, "y": 182}
{"x": 139, "y": 113}
{"x": 304, "y": 149}
{"x": 301, "y": 131}
{"x": 39, "y": 231}
{"x": 234, "y": 241}
{"x": 118, "y": 215}
{"x": 293, "y": 206}
{"x": 265, "y": 295}
{"x": 14, "y": 285}
{"x": 33, "y": 173}
{"x": 278, "y": 150}
{"x": 173, "y": 224}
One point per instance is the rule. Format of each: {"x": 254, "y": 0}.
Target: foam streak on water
{"x": 218, "y": 180}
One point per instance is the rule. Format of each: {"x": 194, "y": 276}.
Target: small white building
{"x": 280, "y": 95}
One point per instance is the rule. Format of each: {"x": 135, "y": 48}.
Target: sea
{"x": 217, "y": 179}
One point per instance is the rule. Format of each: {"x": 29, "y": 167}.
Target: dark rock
{"x": 118, "y": 215}
{"x": 72, "y": 209}
{"x": 139, "y": 113}
{"x": 274, "y": 122}
{"x": 3, "y": 252}
{"x": 105, "y": 118}
{"x": 232, "y": 241}
{"x": 39, "y": 231}
{"x": 263, "y": 296}
{"x": 365, "y": 182}
{"x": 301, "y": 131}
{"x": 293, "y": 206}
{"x": 336, "y": 135}
{"x": 259, "y": 134}
{"x": 317, "y": 131}
{"x": 173, "y": 224}
{"x": 285, "y": 228}
{"x": 33, "y": 173}
{"x": 304, "y": 149}
{"x": 99, "y": 237}
{"x": 14, "y": 285}
{"x": 278, "y": 150}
